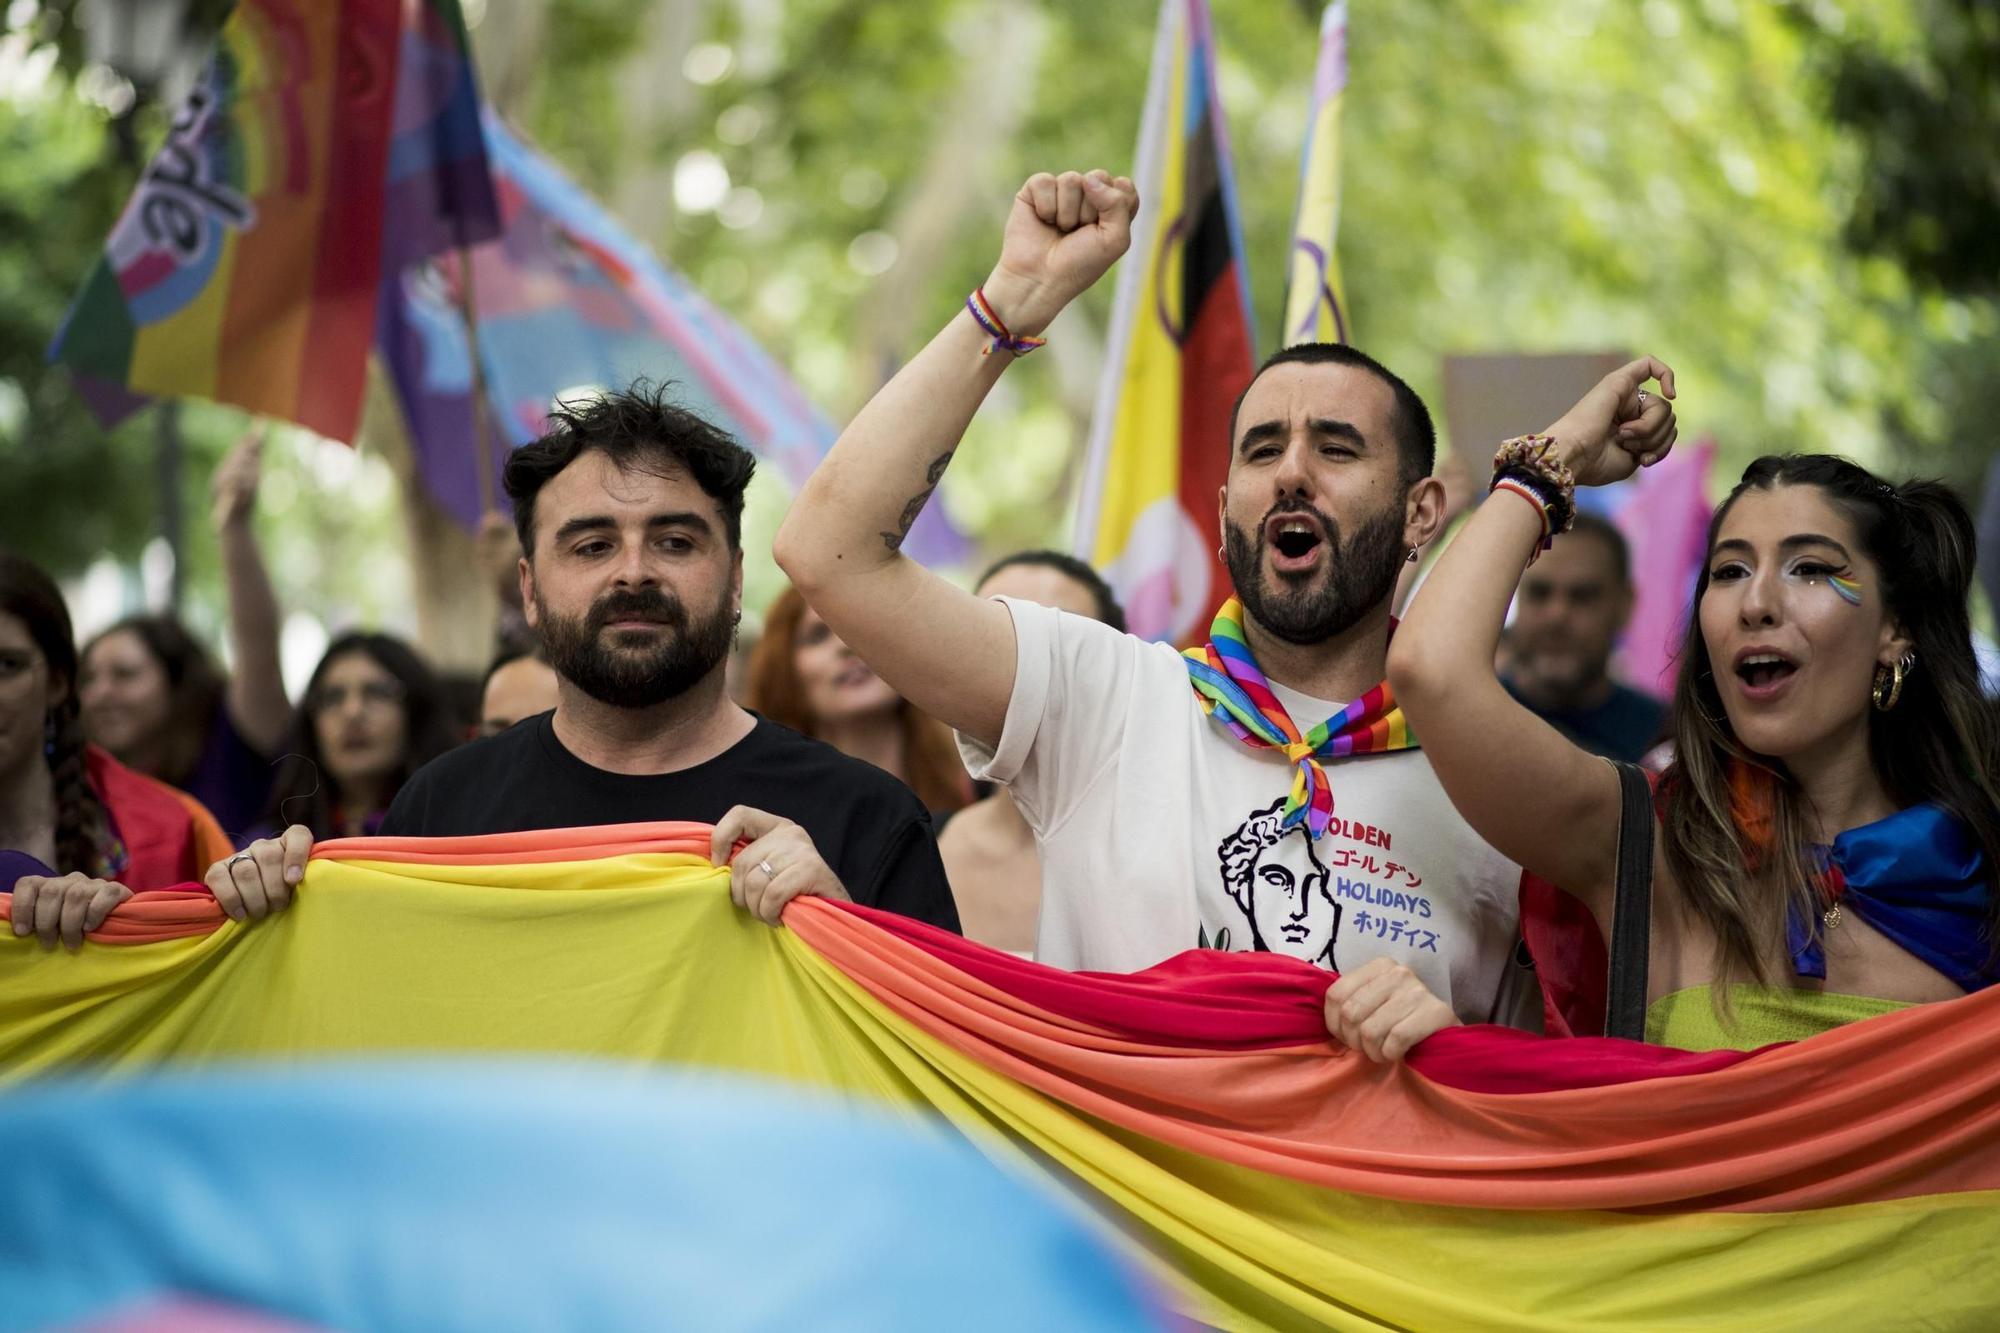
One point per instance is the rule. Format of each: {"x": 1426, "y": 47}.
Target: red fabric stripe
{"x": 1199, "y": 999}
{"x": 341, "y": 326}
{"x": 1207, "y": 999}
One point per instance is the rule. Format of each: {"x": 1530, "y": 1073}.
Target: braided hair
{"x": 83, "y": 838}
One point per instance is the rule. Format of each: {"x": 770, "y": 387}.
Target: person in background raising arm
{"x": 1829, "y": 826}
{"x": 1166, "y": 815}
{"x": 153, "y": 697}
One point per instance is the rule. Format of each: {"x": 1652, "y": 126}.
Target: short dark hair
{"x": 629, "y": 426}
{"x": 1416, "y": 437}
{"x": 506, "y": 657}
{"x": 1594, "y": 525}
{"x": 1108, "y": 610}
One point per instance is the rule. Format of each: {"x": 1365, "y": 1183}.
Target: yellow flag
{"x": 1315, "y": 304}
{"x": 1179, "y": 353}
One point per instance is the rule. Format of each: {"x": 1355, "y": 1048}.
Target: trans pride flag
{"x": 1268, "y": 1179}
{"x": 246, "y": 266}
{"x": 1179, "y": 352}
{"x": 570, "y": 301}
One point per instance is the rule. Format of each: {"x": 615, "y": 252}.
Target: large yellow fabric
{"x": 643, "y": 958}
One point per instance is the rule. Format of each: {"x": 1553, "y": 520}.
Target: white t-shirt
{"x": 1158, "y": 831}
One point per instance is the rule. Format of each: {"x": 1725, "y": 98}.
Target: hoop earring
{"x": 1888, "y": 688}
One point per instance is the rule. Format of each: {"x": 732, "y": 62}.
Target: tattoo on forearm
{"x": 933, "y": 475}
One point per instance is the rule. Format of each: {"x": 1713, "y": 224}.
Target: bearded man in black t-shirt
{"x": 629, "y": 512}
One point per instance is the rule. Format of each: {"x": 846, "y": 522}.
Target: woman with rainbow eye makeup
{"x": 1826, "y": 837}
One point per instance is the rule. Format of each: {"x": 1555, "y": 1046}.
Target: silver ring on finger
{"x": 240, "y": 856}
{"x": 1643, "y": 397}
{"x": 769, "y": 873}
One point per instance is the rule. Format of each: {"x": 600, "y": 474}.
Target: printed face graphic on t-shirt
{"x": 1274, "y": 875}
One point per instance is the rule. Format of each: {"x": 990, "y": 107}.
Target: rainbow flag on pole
{"x": 1180, "y": 352}
{"x": 1315, "y": 304}
{"x": 1268, "y": 1178}
{"x": 247, "y": 264}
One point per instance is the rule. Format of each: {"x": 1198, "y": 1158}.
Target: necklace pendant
{"x": 1831, "y": 917}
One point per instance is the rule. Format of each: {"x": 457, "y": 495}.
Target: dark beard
{"x": 1361, "y": 573}
{"x": 632, "y": 678}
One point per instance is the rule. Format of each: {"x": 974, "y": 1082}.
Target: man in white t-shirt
{"x": 1160, "y": 827}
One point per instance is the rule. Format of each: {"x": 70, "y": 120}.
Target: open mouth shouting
{"x": 1763, "y": 673}
{"x": 1295, "y": 541}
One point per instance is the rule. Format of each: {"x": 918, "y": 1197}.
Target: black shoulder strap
{"x": 1632, "y": 917}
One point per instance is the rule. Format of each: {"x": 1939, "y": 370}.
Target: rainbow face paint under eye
{"x": 1849, "y": 590}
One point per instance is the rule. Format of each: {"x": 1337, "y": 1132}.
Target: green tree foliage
{"x": 55, "y": 463}
{"x": 1674, "y": 176}
{"x": 1928, "y": 120}
{"x": 1577, "y": 174}
{"x": 1925, "y": 109}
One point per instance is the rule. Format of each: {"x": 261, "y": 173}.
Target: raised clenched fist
{"x": 1063, "y": 234}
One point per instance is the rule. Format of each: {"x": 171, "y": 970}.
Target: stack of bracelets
{"x": 1528, "y": 466}
{"x": 1003, "y": 341}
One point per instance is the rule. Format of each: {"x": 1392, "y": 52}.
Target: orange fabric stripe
{"x": 147, "y": 918}
{"x": 526, "y": 847}
{"x": 1922, "y": 1097}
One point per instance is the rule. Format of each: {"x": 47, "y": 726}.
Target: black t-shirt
{"x": 1625, "y": 726}
{"x": 870, "y": 828}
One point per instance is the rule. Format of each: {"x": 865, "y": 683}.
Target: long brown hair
{"x": 83, "y": 832}
{"x": 195, "y": 689}
{"x": 1736, "y": 827}
{"x": 774, "y": 690}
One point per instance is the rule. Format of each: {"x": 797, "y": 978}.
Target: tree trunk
{"x": 974, "y": 134}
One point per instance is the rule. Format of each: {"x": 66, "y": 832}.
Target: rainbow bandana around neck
{"x": 1234, "y": 692}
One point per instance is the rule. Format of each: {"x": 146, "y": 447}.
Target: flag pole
{"x": 468, "y": 308}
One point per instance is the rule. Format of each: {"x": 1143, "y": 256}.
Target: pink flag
{"x": 1665, "y": 521}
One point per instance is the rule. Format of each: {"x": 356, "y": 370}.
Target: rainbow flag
{"x": 1268, "y": 1179}
{"x": 1315, "y": 304}
{"x": 246, "y": 266}
{"x": 1178, "y": 355}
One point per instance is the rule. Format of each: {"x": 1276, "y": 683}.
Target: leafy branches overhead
{"x": 1796, "y": 204}
{"x": 1929, "y": 122}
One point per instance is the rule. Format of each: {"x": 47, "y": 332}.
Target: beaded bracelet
{"x": 1533, "y": 458}
{"x": 983, "y": 314}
